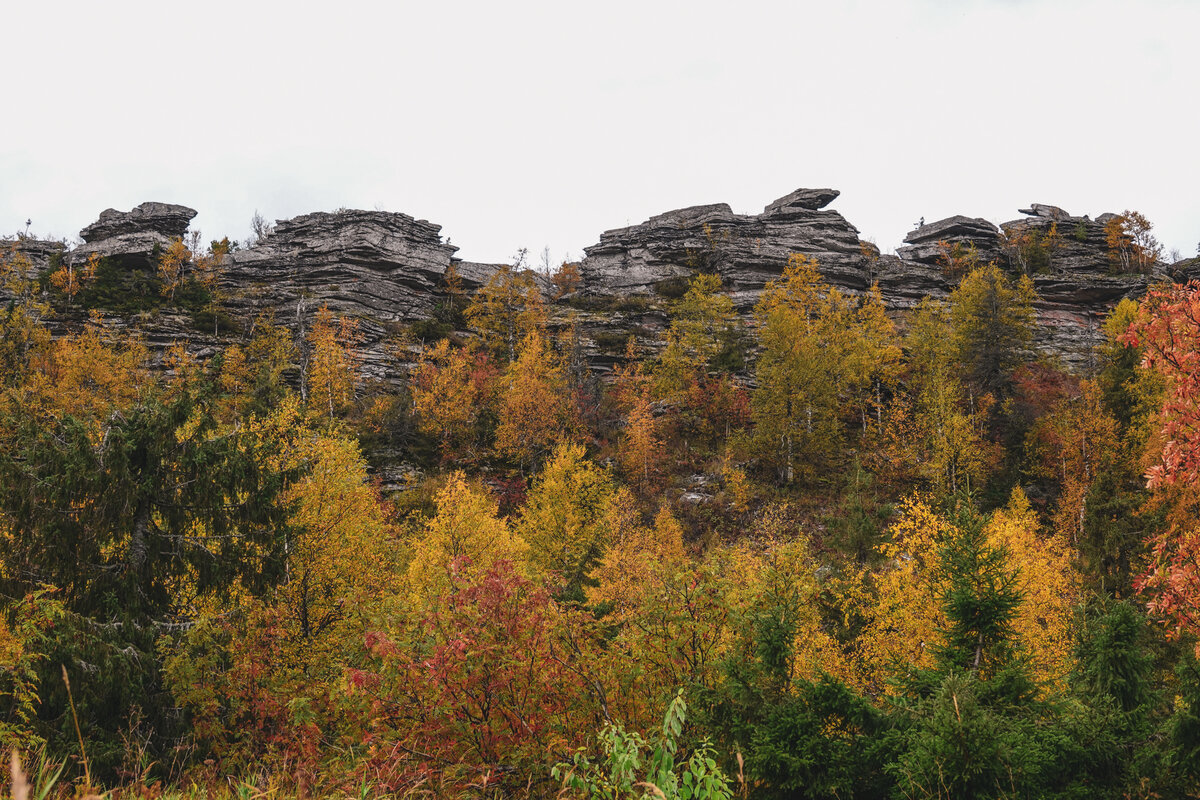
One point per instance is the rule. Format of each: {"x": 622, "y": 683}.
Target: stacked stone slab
{"x": 132, "y": 237}
{"x": 747, "y": 251}
{"x": 386, "y": 269}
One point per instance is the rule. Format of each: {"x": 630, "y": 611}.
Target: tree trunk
{"x": 137, "y": 540}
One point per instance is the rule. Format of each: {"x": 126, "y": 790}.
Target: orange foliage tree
{"x": 1131, "y": 245}
{"x": 640, "y": 448}
{"x": 69, "y": 280}
{"x": 171, "y": 265}
{"x": 450, "y": 388}
{"x": 483, "y": 693}
{"x": 566, "y": 279}
{"x": 1168, "y": 328}
{"x": 1072, "y": 444}
{"x": 535, "y": 410}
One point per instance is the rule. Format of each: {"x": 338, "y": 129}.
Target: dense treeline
{"x": 803, "y": 555}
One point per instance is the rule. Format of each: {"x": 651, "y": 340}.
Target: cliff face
{"x": 746, "y": 251}
{"x": 1066, "y": 257}
{"x": 382, "y": 268}
{"x": 386, "y": 269}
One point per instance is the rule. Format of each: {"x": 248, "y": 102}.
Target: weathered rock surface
{"x": 1043, "y": 210}
{"x": 386, "y": 269}
{"x": 922, "y": 245}
{"x": 1186, "y": 270}
{"x": 806, "y": 199}
{"x": 382, "y": 268}
{"x": 132, "y": 236}
{"x": 747, "y": 251}
{"x": 1076, "y": 282}
{"x": 40, "y": 252}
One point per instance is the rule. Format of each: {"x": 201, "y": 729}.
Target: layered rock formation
{"x": 746, "y": 251}
{"x": 923, "y": 245}
{"x": 1065, "y": 256}
{"x": 42, "y": 253}
{"x": 383, "y": 269}
{"x": 386, "y": 269}
{"x": 133, "y": 236}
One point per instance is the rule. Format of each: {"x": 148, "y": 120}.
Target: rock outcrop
{"x": 1076, "y": 281}
{"x": 132, "y": 236}
{"x": 42, "y": 253}
{"x": 1065, "y": 256}
{"x": 747, "y": 251}
{"x": 376, "y": 265}
{"x": 923, "y": 245}
{"x": 386, "y": 269}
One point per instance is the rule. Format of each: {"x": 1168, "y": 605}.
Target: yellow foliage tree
{"x": 84, "y": 376}
{"x": 563, "y": 520}
{"x": 639, "y": 556}
{"x": 701, "y": 322}
{"x": 906, "y": 616}
{"x": 465, "y": 537}
{"x": 671, "y": 624}
{"x": 332, "y": 372}
{"x": 506, "y": 310}
{"x": 171, "y": 265}
{"x": 1049, "y": 583}
{"x": 21, "y": 331}
{"x": 804, "y": 328}
{"x": 450, "y": 387}
{"x": 772, "y": 573}
{"x": 340, "y": 551}
{"x": 991, "y": 322}
{"x": 873, "y": 359}
{"x": 951, "y": 443}
{"x": 252, "y": 375}
{"x": 534, "y": 411}
{"x": 1131, "y": 245}
{"x": 209, "y": 269}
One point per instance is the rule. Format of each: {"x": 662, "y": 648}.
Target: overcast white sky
{"x": 525, "y": 123}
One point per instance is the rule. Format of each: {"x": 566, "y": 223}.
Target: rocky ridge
{"x": 746, "y": 251}
{"x": 386, "y": 269}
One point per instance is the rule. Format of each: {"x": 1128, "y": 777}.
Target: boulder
{"x": 132, "y": 236}
{"x": 805, "y": 199}
{"x": 1045, "y": 212}
{"x": 923, "y": 242}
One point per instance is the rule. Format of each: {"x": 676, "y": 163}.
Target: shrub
{"x": 631, "y": 769}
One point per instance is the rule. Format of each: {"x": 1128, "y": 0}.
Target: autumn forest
{"x": 823, "y": 549}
